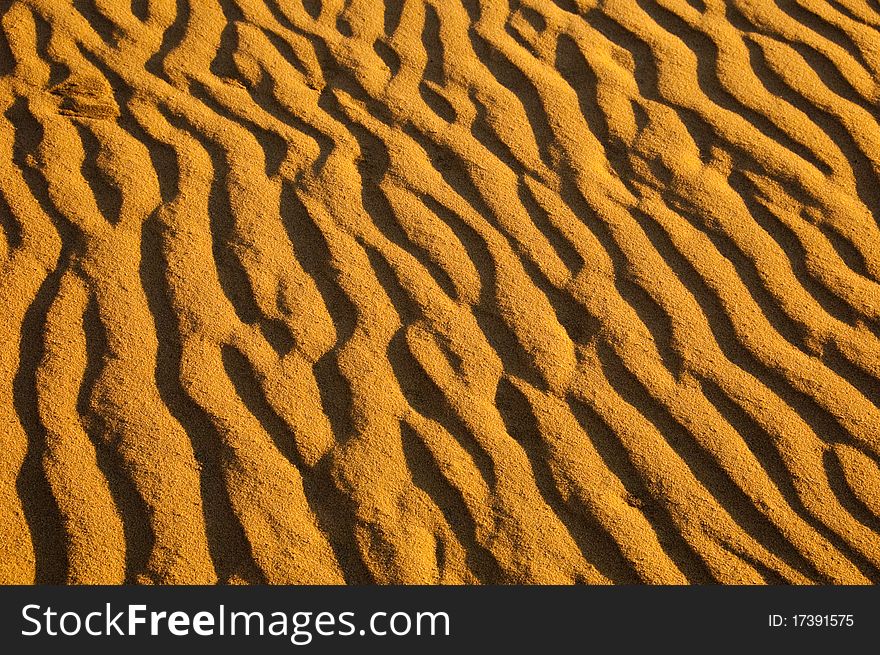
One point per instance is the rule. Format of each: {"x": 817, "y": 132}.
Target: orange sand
{"x": 440, "y": 291}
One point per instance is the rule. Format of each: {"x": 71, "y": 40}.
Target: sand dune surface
{"x": 440, "y": 291}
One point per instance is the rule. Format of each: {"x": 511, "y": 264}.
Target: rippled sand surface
{"x": 440, "y": 291}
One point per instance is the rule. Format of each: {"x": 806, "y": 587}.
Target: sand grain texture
{"x": 440, "y": 291}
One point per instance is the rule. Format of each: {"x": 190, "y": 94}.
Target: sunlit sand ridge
{"x": 440, "y": 291}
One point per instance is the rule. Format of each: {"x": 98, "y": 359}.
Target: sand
{"x": 440, "y": 291}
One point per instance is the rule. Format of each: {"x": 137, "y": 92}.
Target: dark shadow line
{"x": 312, "y": 7}
{"x": 373, "y": 164}
{"x": 8, "y": 60}
{"x": 577, "y": 72}
{"x": 392, "y": 11}
{"x": 171, "y": 39}
{"x": 847, "y": 251}
{"x": 388, "y": 55}
{"x": 535, "y": 20}
{"x": 852, "y": 371}
{"x": 833, "y": 78}
{"x": 107, "y": 194}
{"x": 266, "y": 96}
{"x": 770, "y": 576}
{"x": 653, "y": 315}
{"x": 11, "y": 225}
{"x": 500, "y": 336}
{"x": 793, "y": 331}
{"x": 223, "y": 63}
{"x": 485, "y": 134}
{"x": 843, "y": 9}
{"x": 568, "y": 5}
{"x": 162, "y": 156}
{"x": 140, "y": 9}
{"x": 287, "y": 52}
{"x": 561, "y": 245}
{"x": 40, "y": 508}
{"x": 434, "y": 67}
{"x": 108, "y": 31}
{"x": 579, "y": 323}
{"x": 58, "y": 70}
